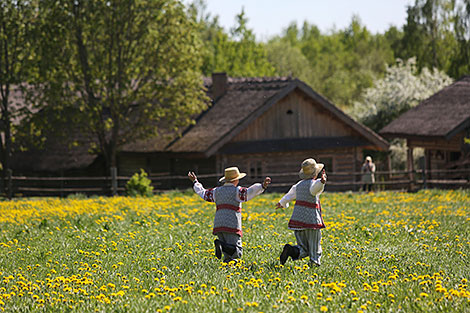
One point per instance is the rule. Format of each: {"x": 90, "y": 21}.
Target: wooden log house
{"x": 439, "y": 125}
{"x": 263, "y": 126}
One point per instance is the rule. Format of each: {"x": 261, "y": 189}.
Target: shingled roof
{"x": 444, "y": 114}
{"x": 244, "y": 100}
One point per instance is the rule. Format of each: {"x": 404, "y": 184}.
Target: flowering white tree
{"x": 402, "y": 88}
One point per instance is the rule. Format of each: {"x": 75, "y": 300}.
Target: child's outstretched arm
{"x": 289, "y": 196}
{"x": 318, "y": 185}
{"x": 205, "y": 194}
{"x": 323, "y": 177}
{"x": 246, "y": 194}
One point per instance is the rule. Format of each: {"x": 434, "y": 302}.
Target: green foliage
{"x": 461, "y": 60}
{"x": 437, "y": 33}
{"x": 341, "y": 64}
{"x": 338, "y": 64}
{"x": 17, "y": 42}
{"x": 139, "y": 185}
{"x": 237, "y": 53}
{"x": 129, "y": 68}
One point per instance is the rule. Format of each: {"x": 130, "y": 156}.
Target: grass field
{"x": 383, "y": 252}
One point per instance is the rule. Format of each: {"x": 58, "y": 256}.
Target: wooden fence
{"x": 19, "y": 186}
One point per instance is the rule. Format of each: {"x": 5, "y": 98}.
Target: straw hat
{"x": 231, "y": 174}
{"x": 310, "y": 168}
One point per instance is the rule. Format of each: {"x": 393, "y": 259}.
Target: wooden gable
{"x": 295, "y": 116}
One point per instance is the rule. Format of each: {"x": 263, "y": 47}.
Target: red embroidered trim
{"x": 243, "y": 194}
{"x": 297, "y": 224}
{"x": 229, "y": 207}
{"x": 227, "y": 230}
{"x": 308, "y": 204}
{"x": 209, "y": 195}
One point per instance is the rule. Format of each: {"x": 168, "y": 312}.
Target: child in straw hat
{"x": 228, "y": 218}
{"x": 306, "y": 220}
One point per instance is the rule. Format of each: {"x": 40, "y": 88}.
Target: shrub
{"x": 139, "y": 185}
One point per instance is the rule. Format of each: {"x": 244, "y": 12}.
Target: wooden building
{"x": 262, "y": 125}
{"x": 440, "y": 125}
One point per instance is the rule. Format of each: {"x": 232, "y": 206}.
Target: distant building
{"x": 440, "y": 125}
{"x": 262, "y": 125}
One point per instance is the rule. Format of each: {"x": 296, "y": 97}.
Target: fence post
{"x": 9, "y": 183}
{"x": 61, "y": 184}
{"x": 114, "y": 183}
{"x": 424, "y": 171}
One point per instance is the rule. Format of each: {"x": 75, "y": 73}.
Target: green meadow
{"x": 382, "y": 252}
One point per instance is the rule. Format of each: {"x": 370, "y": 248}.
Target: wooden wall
{"x": 257, "y": 166}
{"x": 164, "y": 164}
{"x": 440, "y": 153}
{"x": 454, "y": 143}
{"x": 295, "y": 116}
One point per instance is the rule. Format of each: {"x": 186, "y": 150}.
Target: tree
{"x": 341, "y": 63}
{"x": 288, "y": 60}
{"x": 461, "y": 61}
{"x": 428, "y": 34}
{"x": 128, "y": 69}
{"x": 237, "y": 53}
{"x": 17, "y": 20}
{"x": 402, "y": 88}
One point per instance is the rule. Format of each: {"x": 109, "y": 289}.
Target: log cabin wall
{"x": 165, "y": 163}
{"x": 440, "y": 153}
{"x": 257, "y": 166}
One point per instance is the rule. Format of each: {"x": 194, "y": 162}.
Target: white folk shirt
{"x": 316, "y": 188}
{"x": 228, "y": 218}
{"x": 244, "y": 194}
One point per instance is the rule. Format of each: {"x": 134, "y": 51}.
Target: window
{"x": 454, "y": 156}
{"x": 256, "y": 169}
{"x": 328, "y": 161}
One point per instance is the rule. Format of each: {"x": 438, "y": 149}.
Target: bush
{"x": 139, "y": 185}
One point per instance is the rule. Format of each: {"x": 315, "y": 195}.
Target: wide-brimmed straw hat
{"x": 231, "y": 174}
{"x": 310, "y": 168}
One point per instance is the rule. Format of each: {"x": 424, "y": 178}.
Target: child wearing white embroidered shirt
{"x": 306, "y": 220}
{"x": 228, "y": 220}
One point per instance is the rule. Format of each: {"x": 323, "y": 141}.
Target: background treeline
{"x": 341, "y": 63}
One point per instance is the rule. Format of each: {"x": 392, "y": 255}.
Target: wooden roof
{"x": 444, "y": 114}
{"x": 244, "y": 101}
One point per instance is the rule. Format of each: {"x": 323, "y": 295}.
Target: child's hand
{"x": 266, "y": 182}
{"x": 278, "y": 206}
{"x": 323, "y": 177}
{"x": 192, "y": 176}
